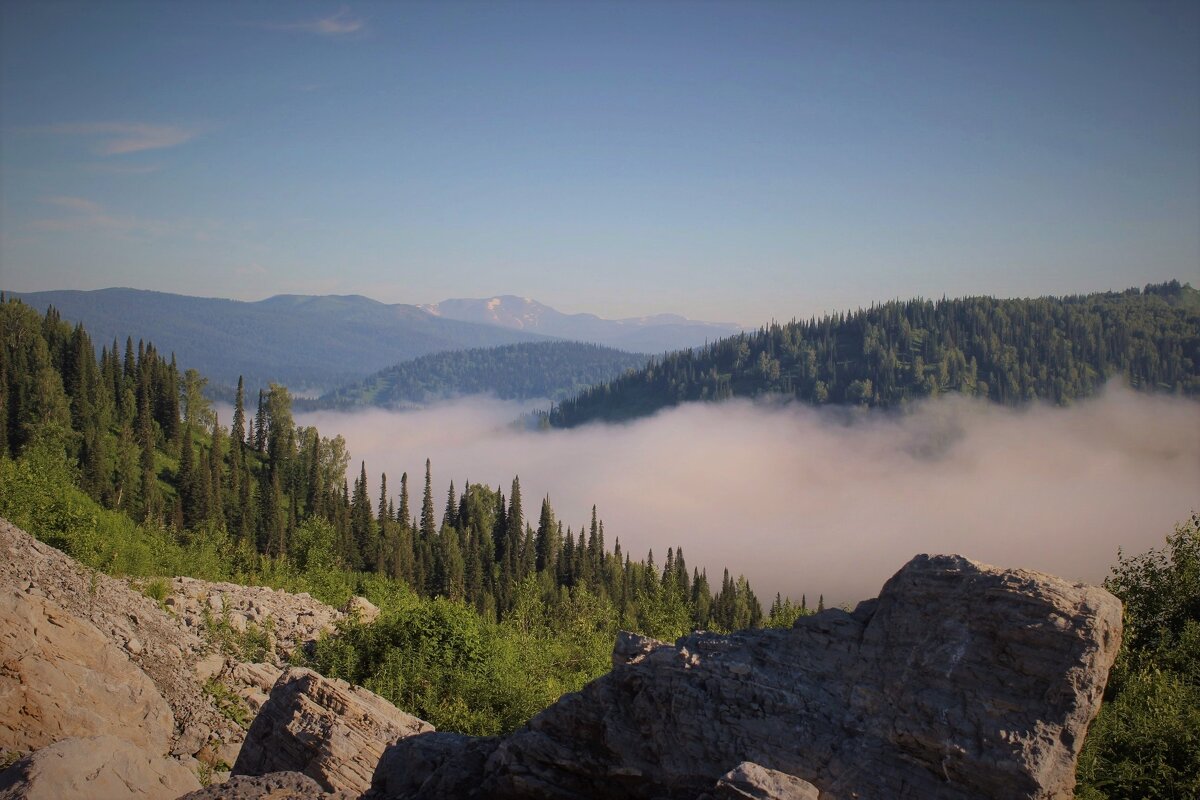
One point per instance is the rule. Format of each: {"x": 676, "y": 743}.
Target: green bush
{"x": 1145, "y": 744}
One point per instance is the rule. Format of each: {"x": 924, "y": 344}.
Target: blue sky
{"x": 727, "y": 161}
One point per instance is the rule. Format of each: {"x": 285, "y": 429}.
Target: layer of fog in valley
{"x": 825, "y": 501}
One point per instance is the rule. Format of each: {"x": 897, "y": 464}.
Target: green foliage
{"x": 157, "y": 590}
{"x": 1008, "y": 351}
{"x": 229, "y": 703}
{"x": 440, "y": 660}
{"x": 1146, "y": 741}
{"x": 251, "y": 645}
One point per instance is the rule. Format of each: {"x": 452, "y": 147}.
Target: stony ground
{"x": 198, "y": 646}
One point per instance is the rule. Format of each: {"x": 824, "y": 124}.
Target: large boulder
{"x": 960, "y": 681}
{"x": 61, "y": 678}
{"x": 96, "y": 768}
{"x": 331, "y": 731}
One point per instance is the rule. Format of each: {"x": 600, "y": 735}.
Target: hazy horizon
{"x": 823, "y": 501}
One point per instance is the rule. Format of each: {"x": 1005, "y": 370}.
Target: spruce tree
{"x": 427, "y": 523}
{"x": 362, "y": 523}
{"x": 237, "y": 433}
{"x": 547, "y": 538}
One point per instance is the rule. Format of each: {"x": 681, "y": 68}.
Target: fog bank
{"x": 825, "y": 501}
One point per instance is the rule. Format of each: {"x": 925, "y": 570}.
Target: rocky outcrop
{"x": 95, "y": 768}
{"x": 280, "y": 622}
{"x": 960, "y": 681}
{"x": 749, "y": 781}
{"x": 439, "y": 764}
{"x": 327, "y": 729}
{"x": 60, "y": 678}
{"x": 154, "y": 640}
{"x": 273, "y": 786}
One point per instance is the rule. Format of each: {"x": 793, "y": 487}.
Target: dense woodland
{"x": 1009, "y": 351}
{"x": 148, "y": 444}
{"x": 553, "y": 370}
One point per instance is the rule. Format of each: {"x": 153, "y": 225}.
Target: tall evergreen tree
{"x": 362, "y": 523}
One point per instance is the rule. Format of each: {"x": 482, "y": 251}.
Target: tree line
{"x": 1007, "y": 351}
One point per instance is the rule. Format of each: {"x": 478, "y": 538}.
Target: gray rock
{"x": 275, "y": 786}
{"x": 432, "y": 765}
{"x": 331, "y": 731}
{"x": 632, "y": 648}
{"x": 194, "y": 737}
{"x": 93, "y": 768}
{"x": 960, "y": 681}
{"x": 749, "y": 781}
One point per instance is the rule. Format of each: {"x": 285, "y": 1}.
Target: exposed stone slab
{"x": 96, "y": 768}
{"x": 331, "y": 731}
{"x": 61, "y": 678}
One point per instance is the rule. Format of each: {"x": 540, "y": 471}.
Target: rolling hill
{"x": 1009, "y": 351}
{"x": 529, "y": 370}
{"x": 307, "y": 343}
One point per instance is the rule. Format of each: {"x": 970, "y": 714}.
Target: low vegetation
{"x": 1146, "y": 742}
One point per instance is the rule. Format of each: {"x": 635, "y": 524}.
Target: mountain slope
{"x": 511, "y": 372}
{"x": 302, "y": 341}
{"x": 1009, "y": 351}
{"x": 659, "y": 333}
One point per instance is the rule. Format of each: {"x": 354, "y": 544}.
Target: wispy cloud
{"x": 112, "y": 168}
{"x": 340, "y": 24}
{"x": 120, "y": 138}
{"x": 82, "y": 214}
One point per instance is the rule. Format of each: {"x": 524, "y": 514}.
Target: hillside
{"x": 552, "y": 370}
{"x": 1009, "y": 351}
{"x": 658, "y": 333}
{"x": 301, "y": 341}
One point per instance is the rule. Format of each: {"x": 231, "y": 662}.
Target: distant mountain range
{"x": 307, "y": 343}
{"x": 314, "y": 344}
{"x": 659, "y": 333}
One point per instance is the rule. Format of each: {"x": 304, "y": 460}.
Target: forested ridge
{"x": 119, "y": 460}
{"x": 553, "y": 370}
{"x": 1009, "y": 351}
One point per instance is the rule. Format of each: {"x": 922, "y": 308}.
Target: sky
{"x": 728, "y": 161}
